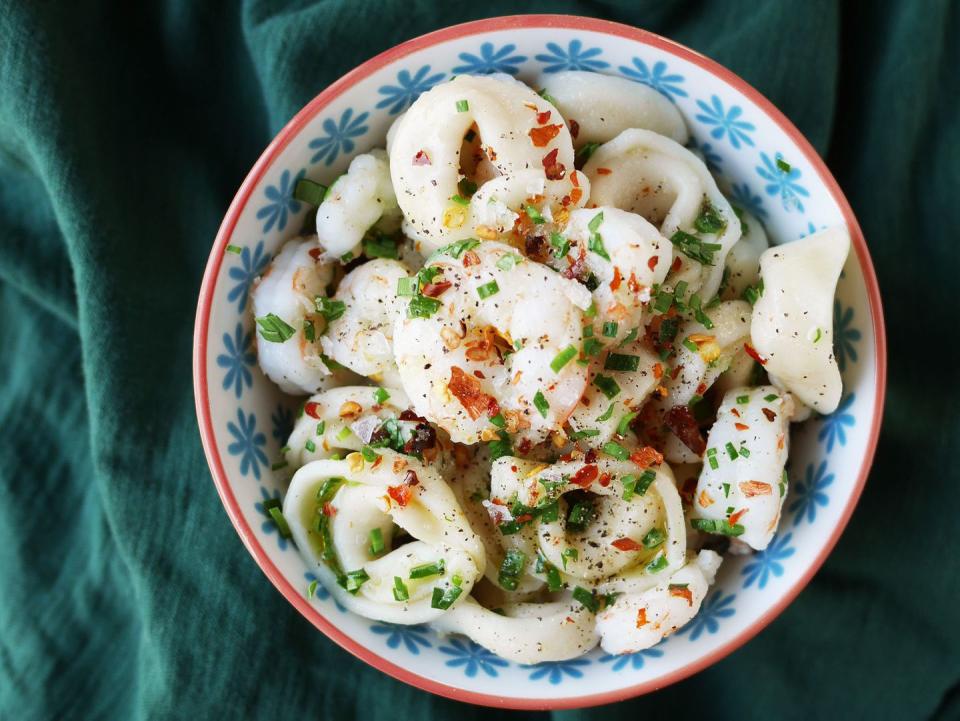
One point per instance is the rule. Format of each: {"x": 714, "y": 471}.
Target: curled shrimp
{"x": 492, "y": 335}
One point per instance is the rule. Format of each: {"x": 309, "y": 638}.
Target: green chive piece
{"x": 644, "y": 482}
{"x": 662, "y": 301}
{"x": 720, "y": 526}
{"x": 274, "y": 329}
{"x": 592, "y": 347}
{"x": 278, "y": 465}
{"x": 621, "y": 362}
{"x": 547, "y": 96}
{"x": 508, "y": 261}
{"x": 624, "y": 425}
{"x": 731, "y": 451}
{"x": 459, "y": 200}
{"x": 744, "y": 451}
{"x": 354, "y": 579}
{"x": 742, "y": 400}
{"x": 541, "y": 403}
{"x": 562, "y": 358}
{"x": 445, "y": 599}
{"x": 457, "y": 248}
{"x": 629, "y": 482}
{"x": 321, "y": 427}
{"x": 726, "y": 490}
{"x": 309, "y": 192}
{"x": 422, "y": 307}
{"x": 466, "y": 187}
{"x": 312, "y": 588}
{"x": 694, "y": 248}
{"x": 488, "y": 289}
{"x": 610, "y": 329}
{"x": 329, "y": 308}
{"x": 560, "y": 244}
{"x": 400, "y": 592}
{"x": 462, "y": 106}
{"x": 585, "y": 433}
{"x": 380, "y": 245}
{"x": 534, "y": 215}
{"x": 580, "y": 515}
{"x": 569, "y": 553}
{"x": 712, "y": 460}
{"x": 376, "y": 542}
{"x": 586, "y": 598}
{"x": 380, "y": 396}
{"x": 616, "y": 450}
{"x": 583, "y": 155}
{"x": 595, "y": 243}
{"x": 235, "y": 249}
{"x": 770, "y": 398}
{"x": 690, "y": 345}
{"x": 654, "y": 538}
{"x": 511, "y": 569}
{"x": 279, "y": 521}
{"x": 668, "y": 330}
{"x": 369, "y": 455}
{"x": 309, "y": 332}
{"x": 630, "y": 337}
{"x": 310, "y": 446}
{"x": 595, "y": 222}
{"x": 607, "y": 385}
{"x": 498, "y": 420}
{"x": 425, "y": 570}
{"x": 783, "y": 165}
{"x": 657, "y": 564}
{"x": 709, "y": 220}
{"x": 606, "y": 414}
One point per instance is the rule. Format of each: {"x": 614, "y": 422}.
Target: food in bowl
{"x": 585, "y": 364}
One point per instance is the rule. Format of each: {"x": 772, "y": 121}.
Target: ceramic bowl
{"x": 244, "y": 419}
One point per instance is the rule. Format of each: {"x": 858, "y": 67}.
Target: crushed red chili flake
{"x": 574, "y": 128}
{"x": 470, "y": 258}
{"x": 741, "y": 426}
{"x": 755, "y": 488}
{"x": 329, "y": 510}
{"x": 780, "y": 443}
{"x": 617, "y": 279}
{"x": 543, "y": 117}
{"x": 737, "y": 516}
{"x": 681, "y": 421}
{"x": 411, "y": 478}
{"x": 735, "y": 412}
{"x": 312, "y": 409}
{"x": 752, "y": 352}
{"x": 432, "y": 290}
{"x": 315, "y": 253}
{"x": 626, "y": 544}
{"x": 523, "y": 518}
{"x": 575, "y": 195}
{"x": 553, "y": 169}
{"x": 701, "y": 389}
{"x": 543, "y": 135}
{"x": 633, "y": 284}
{"x": 681, "y": 592}
{"x": 652, "y": 263}
{"x": 536, "y": 248}
{"x": 604, "y": 171}
{"x": 591, "y": 456}
{"x": 421, "y": 158}
{"x": 480, "y": 375}
{"x": 769, "y": 415}
{"x": 604, "y": 479}
{"x": 646, "y": 457}
{"x": 525, "y": 445}
{"x": 676, "y": 264}
{"x": 400, "y": 494}
{"x": 466, "y": 389}
{"x": 658, "y": 370}
{"x": 574, "y": 179}
{"x": 585, "y": 476}
{"x": 642, "y": 618}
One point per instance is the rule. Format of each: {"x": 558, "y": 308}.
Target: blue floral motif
{"x": 574, "y": 57}
{"x": 554, "y": 671}
{"x": 811, "y": 229}
{"x": 714, "y": 608}
{"x": 281, "y": 202}
{"x": 833, "y": 425}
{"x": 767, "y": 562}
{"x": 338, "y": 137}
{"x": 236, "y": 358}
{"x": 710, "y": 156}
{"x": 809, "y": 493}
{"x": 782, "y": 182}
{"x": 282, "y": 420}
{"x": 728, "y": 122}
{"x": 742, "y": 195}
{"x": 472, "y": 657}
{"x": 247, "y": 444}
{"x": 491, "y": 61}
{"x": 844, "y": 336}
{"x": 657, "y": 78}
{"x": 633, "y": 660}
{"x": 408, "y": 88}
{"x": 251, "y": 265}
{"x": 268, "y": 526}
{"x": 412, "y": 637}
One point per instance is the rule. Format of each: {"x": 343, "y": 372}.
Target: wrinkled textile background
{"x": 125, "y": 131}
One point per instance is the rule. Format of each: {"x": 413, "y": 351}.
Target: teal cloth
{"x": 124, "y": 132}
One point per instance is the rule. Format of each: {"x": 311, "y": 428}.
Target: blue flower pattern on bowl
{"x": 782, "y": 182}
{"x": 727, "y": 122}
{"x": 248, "y": 443}
{"x": 658, "y": 78}
{"x": 251, "y": 266}
{"x": 472, "y": 657}
{"x": 809, "y": 494}
{"x": 281, "y": 201}
{"x": 490, "y": 60}
{"x": 573, "y": 57}
{"x": 834, "y": 425}
{"x": 408, "y": 88}
{"x": 237, "y": 358}
{"x": 339, "y": 137}
{"x": 268, "y": 526}
{"x": 767, "y": 562}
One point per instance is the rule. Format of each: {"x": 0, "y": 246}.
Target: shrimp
{"x": 489, "y": 342}
{"x": 341, "y": 515}
{"x": 361, "y": 338}
{"x": 656, "y": 177}
{"x": 517, "y": 133}
{"x": 284, "y": 305}
{"x": 603, "y": 106}
{"x": 357, "y": 200}
{"x": 623, "y": 256}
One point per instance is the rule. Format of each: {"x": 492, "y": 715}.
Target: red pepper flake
{"x": 553, "y": 169}
{"x": 604, "y": 479}
{"x": 681, "y": 421}
{"x": 466, "y": 389}
{"x": 315, "y": 253}
{"x": 575, "y": 195}
{"x": 543, "y": 135}
{"x": 523, "y": 518}
{"x": 312, "y": 409}
{"x": 675, "y": 372}
{"x": 400, "y": 494}
{"x": 604, "y": 171}
{"x": 421, "y": 158}
{"x": 735, "y": 412}
{"x": 755, "y": 488}
{"x": 470, "y": 258}
{"x": 543, "y": 117}
{"x": 780, "y": 443}
{"x": 574, "y": 179}
{"x": 681, "y": 591}
{"x": 480, "y": 375}
{"x": 585, "y": 476}
{"x": 432, "y": 290}
{"x": 658, "y": 370}
{"x": 626, "y": 544}
{"x": 770, "y": 415}
{"x": 741, "y": 426}
{"x": 652, "y": 263}
{"x": 411, "y": 478}
{"x": 737, "y": 516}
{"x": 524, "y": 446}
{"x": 752, "y": 352}
{"x": 329, "y": 510}
{"x": 574, "y": 128}
{"x": 591, "y": 456}
{"x": 377, "y": 462}
{"x": 642, "y": 618}
{"x": 615, "y": 283}
{"x": 676, "y": 264}
{"x": 646, "y": 457}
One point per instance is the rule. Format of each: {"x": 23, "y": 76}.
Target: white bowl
{"x": 244, "y": 419}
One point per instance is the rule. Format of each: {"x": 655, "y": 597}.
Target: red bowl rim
{"x": 216, "y": 258}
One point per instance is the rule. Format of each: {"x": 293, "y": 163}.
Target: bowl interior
{"x": 245, "y": 419}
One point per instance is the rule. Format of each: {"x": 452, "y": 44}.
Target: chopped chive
{"x": 644, "y": 482}
{"x": 560, "y": 244}
{"x": 562, "y": 358}
{"x": 462, "y": 106}
{"x": 457, "y": 248}
{"x": 771, "y": 397}
{"x": 400, "y": 592}
{"x": 585, "y": 433}
{"x": 624, "y": 425}
{"x": 511, "y": 569}
{"x": 274, "y": 329}
{"x": 354, "y": 579}
{"x": 329, "y": 308}
{"x": 731, "y": 451}
{"x": 616, "y": 450}
{"x": 279, "y": 521}
{"x": 595, "y": 222}
{"x": 310, "y": 446}
{"x": 695, "y": 399}
{"x": 586, "y": 598}
{"x": 380, "y": 396}
{"x": 783, "y": 165}
{"x": 534, "y": 215}
{"x": 690, "y": 345}
{"x": 425, "y": 570}
{"x": 588, "y": 331}
{"x": 726, "y": 490}
{"x": 312, "y": 588}
{"x": 369, "y": 455}
{"x": 459, "y": 200}
{"x": 709, "y": 220}
{"x": 309, "y": 332}
{"x": 235, "y": 249}
{"x": 466, "y": 187}
{"x": 580, "y": 515}
{"x": 607, "y": 385}
{"x": 694, "y": 248}
{"x": 488, "y": 289}
{"x": 309, "y": 191}
{"x": 321, "y": 427}
{"x": 818, "y": 336}
{"x": 278, "y": 465}
{"x": 654, "y": 538}
{"x": 721, "y": 526}
{"x": 592, "y": 347}
{"x": 548, "y": 97}
{"x": 422, "y": 307}
{"x": 743, "y": 399}
{"x": 583, "y": 155}
{"x": 668, "y": 330}
{"x": 508, "y": 261}
{"x": 744, "y": 451}
{"x": 621, "y": 362}
{"x": 343, "y": 434}
{"x": 610, "y": 329}
{"x": 606, "y": 414}
{"x": 445, "y": 599}
{"x": 380, "y": 245}
{"x": 498, "y": 420}
{"x": 657, "y": 564}
{"x": 629, "y": 338}
{"x": 541, "y": 403}
{"x": 376, "y": 542}
{"x": 591, "y": 311}
{"x": 712, "y": 460}
{"x": 662, "y": 301}
{"x": 572, "y": 553}
{"x": 629, "y": 482}
{"x": 595, "y": 244}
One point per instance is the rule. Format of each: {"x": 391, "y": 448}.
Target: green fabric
{"x": 125, "y": 131}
